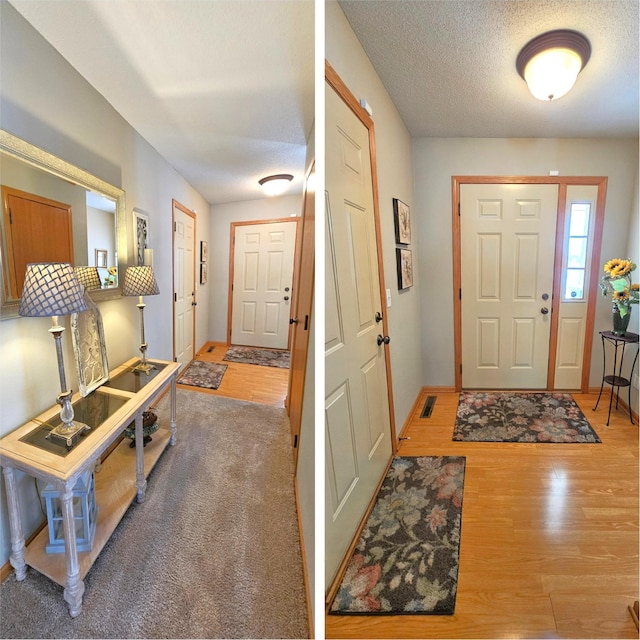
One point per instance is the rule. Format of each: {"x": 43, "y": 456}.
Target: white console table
{"x": 122, "y": 477}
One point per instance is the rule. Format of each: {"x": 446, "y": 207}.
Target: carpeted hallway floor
{"x": 213, "y": 552}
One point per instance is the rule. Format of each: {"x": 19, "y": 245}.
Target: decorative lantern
{"x": 85, "y": 514}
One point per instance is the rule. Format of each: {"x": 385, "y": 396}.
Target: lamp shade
{"x": 551, "y": 62}
{"x": 140, "y": 281}
{"x": 88, "y": 277}
{"x": 275, "y": 185}
{"x": 51, "y": 289}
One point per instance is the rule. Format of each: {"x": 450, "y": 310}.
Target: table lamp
{"x": 88, "y": 277}
{"x": 51, "y": 289}
{"x": 140, "y": 281}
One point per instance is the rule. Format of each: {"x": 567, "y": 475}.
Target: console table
{"x": 122, "y": 477}
{"x": 616, "y": 379}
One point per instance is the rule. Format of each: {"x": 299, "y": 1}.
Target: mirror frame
{"x": 41, "y": 159}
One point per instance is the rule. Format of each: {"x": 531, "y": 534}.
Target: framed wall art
{"x": 141, "y": 235}
{"x": 203, "y": 273}
{"x": 402, "y": 220}
{"x": 102, "y": 258}
{"x": 204, "y": 250}
{"x": 405, "y": 268}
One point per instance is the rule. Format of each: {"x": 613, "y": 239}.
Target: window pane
{"x": 577, "y": 254}
{"x": 574, "y": 288}
{"x": 579, "y": 223}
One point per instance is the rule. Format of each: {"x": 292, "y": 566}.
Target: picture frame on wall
{"x": 102, "y": 258}
{"x": 404, "y": 261}
{"x": 140, "y": 235}
{"x": 204, "y": 250}
{"x": 204, "y": 271}
{"x": 402, "y": 221}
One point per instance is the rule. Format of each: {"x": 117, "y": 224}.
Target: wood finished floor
{"x": 549, "y": 545}
{"x": 255, "y": 383}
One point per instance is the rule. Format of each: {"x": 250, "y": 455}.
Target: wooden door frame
{"x": 304, "y": 268}
{"x": 594, "y": 269}
{"x": 336, "y": 82}
{"x": 176, "y": 205}
{"x": 232, "y": 246}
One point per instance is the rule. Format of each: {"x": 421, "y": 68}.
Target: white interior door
{"x": 357, "y": 423}
{"x": 507, "y": 235}
{"x": 184, "y": 284}
{"x": 262, "y": 284}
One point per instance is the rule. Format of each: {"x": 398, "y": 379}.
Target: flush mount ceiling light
{"x": 551, "y": 62}
{"x": 275, "y": 185}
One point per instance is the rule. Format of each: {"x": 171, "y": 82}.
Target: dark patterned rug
{"x": 406, "y": 561}
{"x": 258, "y": 355}
{"x": 521, "y": 417}
{"x": 203, "y": 374}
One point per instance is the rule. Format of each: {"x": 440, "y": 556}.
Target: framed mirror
{"x": 78, "y": 217}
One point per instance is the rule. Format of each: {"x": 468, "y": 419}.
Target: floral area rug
{"x": 203, "y": 374}
{"x": 258, "y": 355}
{"x": 406, "y": 560}
{"x": 521, "y": 417}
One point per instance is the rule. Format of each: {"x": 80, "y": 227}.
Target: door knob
{"x": 286, "y": 297}
{"x": 544, "y": 311}
{"x": 286, "y": 288}
{"x": 193, "y": 304}
{"x": 385, "y": 339}
{"x": 293, "y": 320}
{"x": 378, "y": 317}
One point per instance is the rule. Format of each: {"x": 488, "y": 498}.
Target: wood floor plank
{"x": 549, "y": 540}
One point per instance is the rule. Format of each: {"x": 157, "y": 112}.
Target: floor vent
{"x": 428, "y": 407}
{"x": 210, "y": 349}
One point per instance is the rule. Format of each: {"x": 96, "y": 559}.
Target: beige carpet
{"x": 213, "y": 552}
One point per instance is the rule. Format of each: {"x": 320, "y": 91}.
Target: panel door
{"x": 507, "y": 235}
{"x": 184, "y": 285}
{"x": 262, "y": 284}
{"x": 357, "y": 423}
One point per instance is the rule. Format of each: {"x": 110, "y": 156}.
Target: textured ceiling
{"x": 223, "y": 89}
{"x": 449, "y": 65}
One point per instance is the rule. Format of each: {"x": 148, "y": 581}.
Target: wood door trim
{"x": 350, "y": 100}
{"x": 563, "y": 182}
{"x": 294, "y": 281}
{"x": 176, "y": 205}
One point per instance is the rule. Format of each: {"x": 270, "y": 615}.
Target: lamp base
{"x": 68, "y": 434}
{"x": 144, "y": 367}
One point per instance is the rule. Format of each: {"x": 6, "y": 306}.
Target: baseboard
{"x": 7, "y": 569}
{"x": 303, "y": 553}
{"x": 621, "y": 402}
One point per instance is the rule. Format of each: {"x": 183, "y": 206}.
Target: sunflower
{"x": 635, "y": 287}
{"x": 618, "y": 267}
{"x": 621, "y": 296}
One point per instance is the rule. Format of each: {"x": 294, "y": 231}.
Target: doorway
{"x": 512, "y": 232}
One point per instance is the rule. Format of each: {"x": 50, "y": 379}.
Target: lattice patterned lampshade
{"x": 51, "y": 289}
{"x": 140, "y": 281}
{"x": 88, "y": 277}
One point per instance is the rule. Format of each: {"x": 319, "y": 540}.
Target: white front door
{"x": 262, "y": 283}
{"x": 184, "y": 284}
{"x": 357, "y": 422}
{"x": 507, "y": 235}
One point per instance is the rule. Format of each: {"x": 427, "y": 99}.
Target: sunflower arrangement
{"x": 618, "y": 283}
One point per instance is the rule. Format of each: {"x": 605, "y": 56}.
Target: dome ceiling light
{"x": 551, "y": 62}
{"x": 275, "y": 185}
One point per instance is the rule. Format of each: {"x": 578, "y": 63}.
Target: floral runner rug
{"x": 258, "y": 355}
{"x": 521, "y": 417}
{"x": 406, "y": 560}
{"x": 203, "y": 374}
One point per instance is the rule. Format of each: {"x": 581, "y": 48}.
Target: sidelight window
{"x": 576, "y": 244}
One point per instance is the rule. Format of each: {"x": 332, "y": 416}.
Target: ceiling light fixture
{"x": 551, "y": 62}
{"x": 275, "y": 185}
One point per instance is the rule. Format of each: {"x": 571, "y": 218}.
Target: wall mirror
{"x": 54, "y": 211}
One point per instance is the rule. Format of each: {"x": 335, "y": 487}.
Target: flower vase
{"x": 620, "y": 323}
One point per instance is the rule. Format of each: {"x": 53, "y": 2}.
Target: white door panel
{"x": 357, "y": 421}
{"x": 184, "y": 285}
{"x": 262, "y": 284}
{"x": 508, "y": 244}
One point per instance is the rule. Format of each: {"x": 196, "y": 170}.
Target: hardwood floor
{"x": 549, "y": 545}
{"x": 266, "y": 385}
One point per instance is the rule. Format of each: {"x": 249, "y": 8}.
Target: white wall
{"x": 75, "y": 123}
{"x": 222, "y": 215}
{"x": 436, "y": 160}
{"x": 395, "y": 180}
